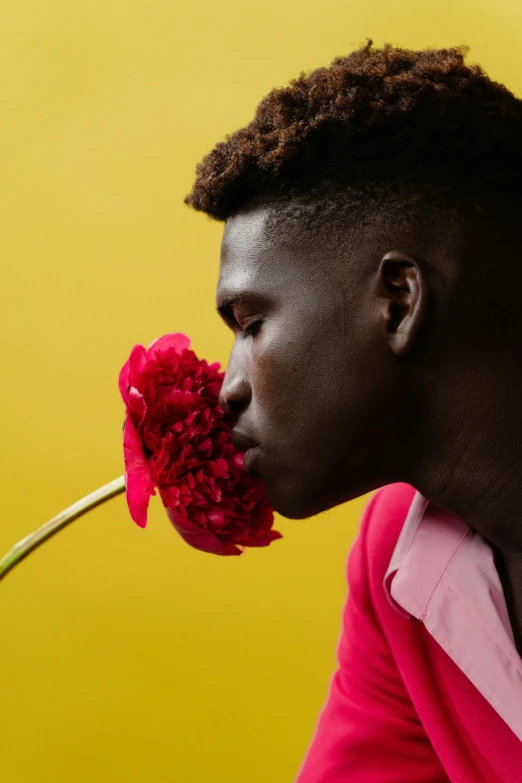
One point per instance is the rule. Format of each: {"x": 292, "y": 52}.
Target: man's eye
{"x": 252, "y": 328}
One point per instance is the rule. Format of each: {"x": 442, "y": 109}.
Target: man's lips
{"x": 241, "y": 441}
{"x": 249, "y": 460}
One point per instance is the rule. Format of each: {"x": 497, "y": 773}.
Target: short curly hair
{"x": 379, "y": 125}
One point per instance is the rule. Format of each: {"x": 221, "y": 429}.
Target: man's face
{"x": 312, "y": 383}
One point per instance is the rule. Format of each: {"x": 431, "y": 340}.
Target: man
{"x": 370, "y": 272}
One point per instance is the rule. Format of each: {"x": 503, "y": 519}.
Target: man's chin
{"x": 295, "y": 506}
{"x": 301, "y": 504}
{"x": 298, "y": 495}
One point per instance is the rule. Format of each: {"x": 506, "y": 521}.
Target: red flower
{"x": 177, "y": 438}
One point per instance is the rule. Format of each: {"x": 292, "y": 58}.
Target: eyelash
{"x": 251, "y": 330}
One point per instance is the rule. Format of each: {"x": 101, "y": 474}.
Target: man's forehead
{"x": 245, "y": 263}
{"x": 232, "y": 287}
{"x": 264, "y": 259}
{"x": 245, "y": 234}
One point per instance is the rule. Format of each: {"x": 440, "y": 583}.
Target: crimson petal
{"x": 176, "y": 340}
{"x": 200, "y": 538}
{"x": 138, "y": 481}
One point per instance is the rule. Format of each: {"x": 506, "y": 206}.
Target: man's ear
{"x": 403, "y": 290}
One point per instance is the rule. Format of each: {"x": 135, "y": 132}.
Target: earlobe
{"x": 403, "y": 290}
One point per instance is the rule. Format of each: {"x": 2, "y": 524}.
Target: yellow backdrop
{"x": 125, "y": 654}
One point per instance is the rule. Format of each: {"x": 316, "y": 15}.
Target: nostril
{"x": 234, "y": 407}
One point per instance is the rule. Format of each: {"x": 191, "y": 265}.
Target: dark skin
{"x": 353, "y": 378}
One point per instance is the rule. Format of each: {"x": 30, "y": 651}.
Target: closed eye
{"x": 226, "y": 312}
{"x": 252, "y": 329}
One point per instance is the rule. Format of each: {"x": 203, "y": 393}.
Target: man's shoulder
{"x": 388, "y": 506}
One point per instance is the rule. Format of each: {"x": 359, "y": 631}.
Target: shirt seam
{"x": 443, "y": 573}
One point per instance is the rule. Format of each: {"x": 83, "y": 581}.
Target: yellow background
{"x": 126, "y": 655}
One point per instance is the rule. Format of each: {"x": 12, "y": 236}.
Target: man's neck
{"x": 471, "y": 463}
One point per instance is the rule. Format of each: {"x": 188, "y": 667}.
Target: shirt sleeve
{"x": 368, "y": 730}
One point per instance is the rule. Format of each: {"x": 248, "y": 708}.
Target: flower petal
{"x": 265, "y": 539}
{"x": 200, "y": 538}
{"x": 123, "y": 380}
{"x": 176, "y": 340}
{"x": 131, "y": 369}
{"x": 139, "y": 484}
{"x": 136, "y": 405}
{"x": 137, "y": 361}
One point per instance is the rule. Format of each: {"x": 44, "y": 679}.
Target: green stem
{"x": 57, "y": 523}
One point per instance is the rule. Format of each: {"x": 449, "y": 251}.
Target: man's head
{"x": 371, "y": 214}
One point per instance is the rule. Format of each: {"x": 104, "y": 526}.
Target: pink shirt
{"x": 429, "y": 683}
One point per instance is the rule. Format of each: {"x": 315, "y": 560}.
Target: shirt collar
{"x": 428, "y": 542}
{"x": 442, "y": 572}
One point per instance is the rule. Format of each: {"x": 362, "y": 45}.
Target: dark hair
{"x": 379, "y": 125}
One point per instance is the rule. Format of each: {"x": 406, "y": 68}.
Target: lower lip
{"x": 248, "y": 457}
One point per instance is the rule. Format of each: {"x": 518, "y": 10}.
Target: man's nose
{"x": 235, "y": 392}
